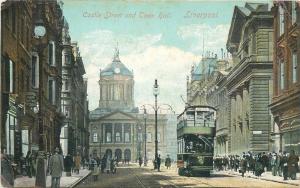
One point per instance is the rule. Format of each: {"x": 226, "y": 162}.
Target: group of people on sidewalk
{"x": 27, "y": 166}
{"x": 280, "y": 164}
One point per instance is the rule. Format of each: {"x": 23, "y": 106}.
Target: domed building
{"x": 116, "y": 86}
{"x": 116, "y": 128}
{"x": 113, "y": 123}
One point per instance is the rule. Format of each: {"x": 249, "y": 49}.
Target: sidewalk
{"x": 265, "y": 176}
{"x": 69, "y": 182}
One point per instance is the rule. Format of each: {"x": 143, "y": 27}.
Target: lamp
{"x": 145, "y": 137}
{"x": 156, "y": 93}
{"x": 39, "y": 33}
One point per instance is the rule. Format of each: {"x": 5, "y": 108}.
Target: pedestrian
{"x": 292, "y": 165}
{"x": 236, "y": 163}
{"x": 103, "y": 163}
{"x": 243, "y": 165}
{"x": 108, "y": 161}
{"x": 279, "y": 163}
{"x": 77, "y": 160}
{"x": 158, "y": 163}
{"x": 265, "y": 161}
{"x": 168, "y": 162}
{"x": 95, "y": 169}
{"x": 259, "y": 168}
{"x": 68, "y": 164}
{"x": 113, "y": 166}
{"x": 29, "y": 164}
{"x": 273, "y": 164}
{"x": 140, "y": 161}
{"x": 56, "y": 167}
{"x": 7, "y": 172}
{"x": 285, "y": 165}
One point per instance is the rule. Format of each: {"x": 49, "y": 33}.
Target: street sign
{"x": 31, "y": 99}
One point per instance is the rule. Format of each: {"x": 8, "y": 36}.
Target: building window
{"x": 51, "y": 91}
{"x": 118, "y": 137}
{"x": 51, "y": 53}
{"x": 294, "y": 16}
{"x": 295, "y": 64}
{"x": 127, "y": 137}
{"x": 35, "y": 71}
{"x": 66, "y": 85}
{"x": 282, "y": 75}
{"x": 108, "y": 132}
{"x": 127, "y": 131}
{"x": 108, "y": 137}
{"x": 281, "y": 21}
{"x": 149, "y": 137}
{"x": 67, "y": 59}
{"x": 95, "y": 137}
{"x": 25, "y": 141}
{"x": 11, "y": 76}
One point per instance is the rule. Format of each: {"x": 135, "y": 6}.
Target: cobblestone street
{"x": 133, "y": 176}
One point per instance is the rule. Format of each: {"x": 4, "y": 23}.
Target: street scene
{"x": 98, "y": 93}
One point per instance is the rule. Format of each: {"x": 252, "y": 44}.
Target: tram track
{"x": 167, "y": 183}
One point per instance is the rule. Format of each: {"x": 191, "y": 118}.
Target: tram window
{"x": 199, "y": 115}
{"x": 190, "y": 115}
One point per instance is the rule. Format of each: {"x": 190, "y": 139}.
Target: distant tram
{"x": 195, "y": 136}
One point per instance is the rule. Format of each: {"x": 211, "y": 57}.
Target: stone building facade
{"x": 286, "y": 72}
{"x": 116, "y": 127}
{"x": 31, "y": 77}
{"x": 20, "y": 67}
{"x": 249, "y": 83}
{"x": 74, "y": 136}
{"x": 217, "y": 97}
{"x": 16, "y": 54}
{"x": 240, "y": 88}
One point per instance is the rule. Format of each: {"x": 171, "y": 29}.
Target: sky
{"x": 157, "y": 40}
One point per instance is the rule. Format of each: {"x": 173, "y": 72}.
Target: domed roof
{"x": 116, "y": 67}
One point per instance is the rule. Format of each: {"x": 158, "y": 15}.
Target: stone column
{"x": 245, "y": 111}
{"x": 122, "y": 133}
{"x": 113, "y": 133}
{"x": 239, "y": 116}
{"x": 232, "y": 123}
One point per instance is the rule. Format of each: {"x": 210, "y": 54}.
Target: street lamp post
{"x": 156, "y": 93}
{"x": 145, "y": 137}
{"x": 39, "y": 32}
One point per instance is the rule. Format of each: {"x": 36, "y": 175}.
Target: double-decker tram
{"x": 195, "y": 135}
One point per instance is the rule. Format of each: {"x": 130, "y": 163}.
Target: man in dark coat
{"x": 259, "y": 168}
{"x": 68, "y": 164}
{"x": 292, "y": 165}
{"x": 243, "y": 165}
{"x": 103, "y": 164}
{"x": 168, "y": 162}
{"x": 158, "y": 163}
{"x": 285, "y": 165}
{"x": 140, "y": 161}
{"x": 56, "y": 167}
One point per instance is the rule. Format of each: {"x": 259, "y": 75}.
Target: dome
{"x": 116, "y": 67}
